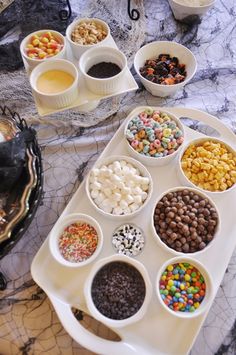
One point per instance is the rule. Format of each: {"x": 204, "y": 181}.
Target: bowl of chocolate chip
{"x": 185, "y": 221}
{"x": 118, "y": 291}
{"x": 164, "y": 67}
{"x": 85, "y": 33}
{"x": 103, "y": 69}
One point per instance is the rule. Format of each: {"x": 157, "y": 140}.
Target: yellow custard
{"x": 54, "y": 81}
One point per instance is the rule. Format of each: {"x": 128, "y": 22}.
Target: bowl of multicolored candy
{"x": 184, "y": 287}
{"x": 42, "y": 45}
{"x": 164, "y": 67}
{"x": 119, "y": 187}
{"x": 76, "y": 240}
{"x": 208, "y": 164}
{"x": 154, "y": 137}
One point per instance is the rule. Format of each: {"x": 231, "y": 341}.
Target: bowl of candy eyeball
{"x": 42, "y": 45}
{"x": 208, "y": 164}
{"x": 118, "y": 291}
{"x": 182, "y": 9}
{"x": 184, "y": 287}
{"x": 76, "y": 240}
{"x": 86, "y": 33}
{"x": 154, "y": 137}
{"x": 185, "y": 221}
{"x": 119, "y": 187}
{"x": 164, "y": 67}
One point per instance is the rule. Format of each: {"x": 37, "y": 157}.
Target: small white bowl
{"x": 155, "y": 161}
{"x": 143, "y": 172}
{"x": 183, "y": 178}
{"x": 63, "y": 98}
{"x": 205, "y": 304}
{"x": 58, "y": 230}
{"x": 78, "y": 49}
{"x": 152, "y": 51}
{"x": 181, "y": 10}
{"x": 32, "y": 63}
{"x": 171, "y": 250}
{"x": 97, "y": 55}
{"x": 113, "y": 323}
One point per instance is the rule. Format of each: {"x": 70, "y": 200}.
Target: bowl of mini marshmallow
{"x": 119, "y": 186}
{"x": 185, "y": 8}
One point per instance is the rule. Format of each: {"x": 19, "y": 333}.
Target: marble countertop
{"x": 71, "y": 143}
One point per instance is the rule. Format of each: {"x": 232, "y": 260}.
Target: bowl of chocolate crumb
{"x": 103, "y": 69}
{"x": 118, "y": 291}
{"x": 185, "y": 221}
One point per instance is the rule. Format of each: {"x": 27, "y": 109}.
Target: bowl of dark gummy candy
{"x": 103, "y": 69}
{"x": 119, "y": 187}
{"x": 164, "y": 67}
{"x": 118, "y": 291}
{"x": 154, "y": 137}
{"x": 208, "y": 164}
{"x": 76, "y": 240}
{"x": 185, "y": 220}
{"x": 184, "y": 287}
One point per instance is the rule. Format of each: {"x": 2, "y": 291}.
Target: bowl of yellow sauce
{"x": 55, "y": 83}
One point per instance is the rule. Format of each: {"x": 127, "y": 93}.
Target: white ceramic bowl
{"x": 58, "y": 230}
{"x": 143, "y": 172}
{"x": 183, "y": 178}
{"x": 154, "y": 161}
{"x": 164, "y": 245}
{"x": 63, "y": 98}
{"x": 113, "y": 323}
{"x": 182, "y": 11}
{"x": 97, "y": 55}
{"x": 208, "y": 281}
{"x": 32, "y": 63}
{"x": 152, "y": 51}
{"x": 78, "y": 49}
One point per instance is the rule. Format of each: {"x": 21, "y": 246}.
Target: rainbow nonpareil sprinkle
{"x": 78, "y": 242}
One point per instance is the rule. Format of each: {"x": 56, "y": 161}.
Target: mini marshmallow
{"x": 138, "y": 199}
{"x": 127, "y": 210}
{"x": 129, "y": 198}
{"x": 116, "y": 165}
{"x": 116, "y": 196}
{"x": 123, "y": 204}
{"x": 94, "y": 193}
{"x": 116, "y": 179}
{"x": 126, "y": 190}
{"x": 123, "y": 163}
{"x": 137, "y": 190}
{"x": 145, "y": 180}
{"x": 118, "y": 210}
{"x": 94, "y": 172}
{"x": 95, "y": 185}
{"x": 145, "y": 187}
{"x": 107, "y": 192}
{"x": 134, "y": 207}
{"x": 144, "y": 195}
{"x": 107, "y": 209}
{"x": 101, "y": 197}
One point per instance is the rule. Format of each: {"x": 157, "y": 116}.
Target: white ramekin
{"x": 58, "y": 230}
{"x": 208, "y": 281}
{"x": 181, "y": 11}
{"x": 155, "y": 161}
{"x": 103, "y": 54}
{"x": 32, "y": 63}
{"x": 61, "y": 99}
{"x": 174, "y": 49}
{"x": 78, "y": 49}
{"x": 113, "y": 323}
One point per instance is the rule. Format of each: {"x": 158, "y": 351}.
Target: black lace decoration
{"x": 65, "y": 14}
{"x": 134, "y": 13}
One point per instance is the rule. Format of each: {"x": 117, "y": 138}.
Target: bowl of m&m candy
{"x": 184, "y": 287}
{"x": 42, "y": 45}
{"x": 154, "y": 137}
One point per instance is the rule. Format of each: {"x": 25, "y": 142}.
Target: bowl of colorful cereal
{"x": 208, "y": 164}
{"x": 42, "y": 45}
{"x": 164, "y": 67}
{"x": 119, "y": 187}
{"x": 154, "y": 137}
{"x": 185, "y": 221}
{"x": 86, "y": 33}
{"x": 76, "y": 240}
{"x": 182, "y": 9}
{"x": 184, "y": 287}
{"x": 118, "y": 291}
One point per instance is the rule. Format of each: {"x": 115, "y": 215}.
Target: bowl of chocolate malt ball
{"x": 185, "y": 221}
{"x": 208, "y": 164}
{"x": 118, "y": 291}
{"x": 85, "y": 33}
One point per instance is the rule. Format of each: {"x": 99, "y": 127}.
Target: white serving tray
{"x": 86, "y": 100}
{"x": 158, "y": 332}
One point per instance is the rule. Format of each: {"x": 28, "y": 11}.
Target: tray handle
{"x": 224, "y": 131}
{"x": 86, "y": 338}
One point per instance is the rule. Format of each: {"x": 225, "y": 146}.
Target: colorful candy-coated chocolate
{"x": 182, "y": 287}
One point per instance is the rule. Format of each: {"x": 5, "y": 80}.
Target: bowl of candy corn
{"x": 42, "y": 45}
